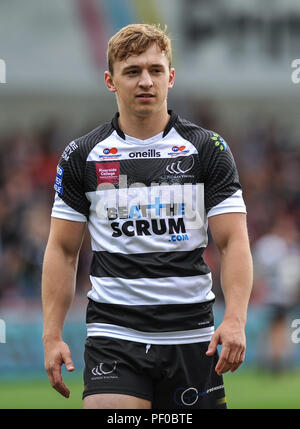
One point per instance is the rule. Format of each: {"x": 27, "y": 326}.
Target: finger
{"x": 228, "y": 363}
{"x": 67, "y": 359}
{"x": 57, "y": 382}
{"x": 239, "y": 360}
{"x": 229, "y": 358}
{"x": 50, "y": 376}
{"x": 232, "y": 361}
{"x": 61, "y": 388}
{"x": 234, "y": 367}
{"x": 226, "y": 367}
{"x": 223, "y": 360}
{"x": 212, "y": 347}
{"x": 234, "y": 355}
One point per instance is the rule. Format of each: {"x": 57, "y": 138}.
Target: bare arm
{"x": 229, "y": 232}
{"x": 58, "y": 289}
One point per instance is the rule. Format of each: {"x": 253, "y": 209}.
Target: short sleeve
{"x": 221, "y": 179}
{"x": 70, "y": 201}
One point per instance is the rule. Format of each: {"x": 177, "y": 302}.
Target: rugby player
{"x": 148, "y": 184}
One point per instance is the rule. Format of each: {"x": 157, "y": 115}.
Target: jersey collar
{"x": 172, "y": 120}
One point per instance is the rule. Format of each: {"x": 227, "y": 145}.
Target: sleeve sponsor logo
{"x": 69, "y": 149}
{"x": 219, "y": 142}
{"x": 58, "y": 185}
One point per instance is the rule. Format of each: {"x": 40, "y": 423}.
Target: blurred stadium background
{"x": 233, "y": 75}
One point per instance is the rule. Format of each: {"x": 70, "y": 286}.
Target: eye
{"x": 131, "y": 72}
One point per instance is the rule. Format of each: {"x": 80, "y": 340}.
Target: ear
{"x": 109, "y": 82}
{"x": 171, "y": 78}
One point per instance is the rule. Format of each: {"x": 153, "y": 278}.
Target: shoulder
{"x": 97, "y": 134}
{"x": 80, "y": 147}
{"x": 200, "y": 137}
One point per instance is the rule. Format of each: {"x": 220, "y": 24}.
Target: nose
{"x": 145, "y": 80}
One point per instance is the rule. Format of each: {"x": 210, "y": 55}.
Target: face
{"x": 141, "y": 82}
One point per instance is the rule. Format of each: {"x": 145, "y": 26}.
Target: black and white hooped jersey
{"x": 147, "y": 203}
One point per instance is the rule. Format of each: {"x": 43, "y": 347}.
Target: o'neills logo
{"x": 150, "y": 153}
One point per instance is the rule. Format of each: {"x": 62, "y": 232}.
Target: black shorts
{"x": 170, "y": 376}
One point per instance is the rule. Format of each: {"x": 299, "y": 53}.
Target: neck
{"x": 143, "y": 127}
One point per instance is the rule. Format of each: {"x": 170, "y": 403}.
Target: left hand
{"x": 232, "y": 337}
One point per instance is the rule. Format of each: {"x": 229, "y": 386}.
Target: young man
{"x": 147, "y": 183}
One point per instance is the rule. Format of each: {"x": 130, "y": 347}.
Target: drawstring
{"x": 148, "y": 347}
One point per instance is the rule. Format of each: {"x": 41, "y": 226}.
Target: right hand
{"x": 56, "y": 354}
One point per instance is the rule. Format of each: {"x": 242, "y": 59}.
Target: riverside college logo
{"x": 108, "y": 172}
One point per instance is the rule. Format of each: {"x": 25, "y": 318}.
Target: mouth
{"x": 145, "y": 96}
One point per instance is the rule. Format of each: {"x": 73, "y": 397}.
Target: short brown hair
{"x": 134, "y": 39}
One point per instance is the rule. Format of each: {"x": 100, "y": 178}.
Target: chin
{"x": 145, "y": 111}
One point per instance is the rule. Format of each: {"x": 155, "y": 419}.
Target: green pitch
{"x": 244, "y": 389}
{"x": 259, "y": 390}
